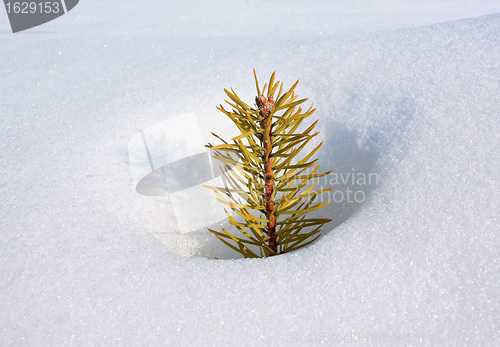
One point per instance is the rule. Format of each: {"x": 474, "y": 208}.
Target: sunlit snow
{"x": 407, "y": 97}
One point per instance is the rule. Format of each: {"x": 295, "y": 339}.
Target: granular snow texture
{"x": 407, "y": 93}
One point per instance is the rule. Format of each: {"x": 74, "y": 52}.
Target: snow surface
{"x": 407, "y": 91}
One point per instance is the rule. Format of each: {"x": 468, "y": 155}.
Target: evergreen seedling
{"x": 268, "y": 184}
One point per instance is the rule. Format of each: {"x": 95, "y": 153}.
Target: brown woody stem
{"x": 266, "y": 106}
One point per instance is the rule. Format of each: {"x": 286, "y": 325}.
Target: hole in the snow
{"x": 169, "y": 160}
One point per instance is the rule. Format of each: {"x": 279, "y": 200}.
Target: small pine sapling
{"x": 268, "y": 185}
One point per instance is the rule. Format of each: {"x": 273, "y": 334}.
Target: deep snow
{"x": 404, "y": 91}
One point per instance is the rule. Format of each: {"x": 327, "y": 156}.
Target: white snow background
{"x": 407, "y": 90}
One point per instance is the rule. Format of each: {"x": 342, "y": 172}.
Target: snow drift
{"x": 416, "y": 261}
